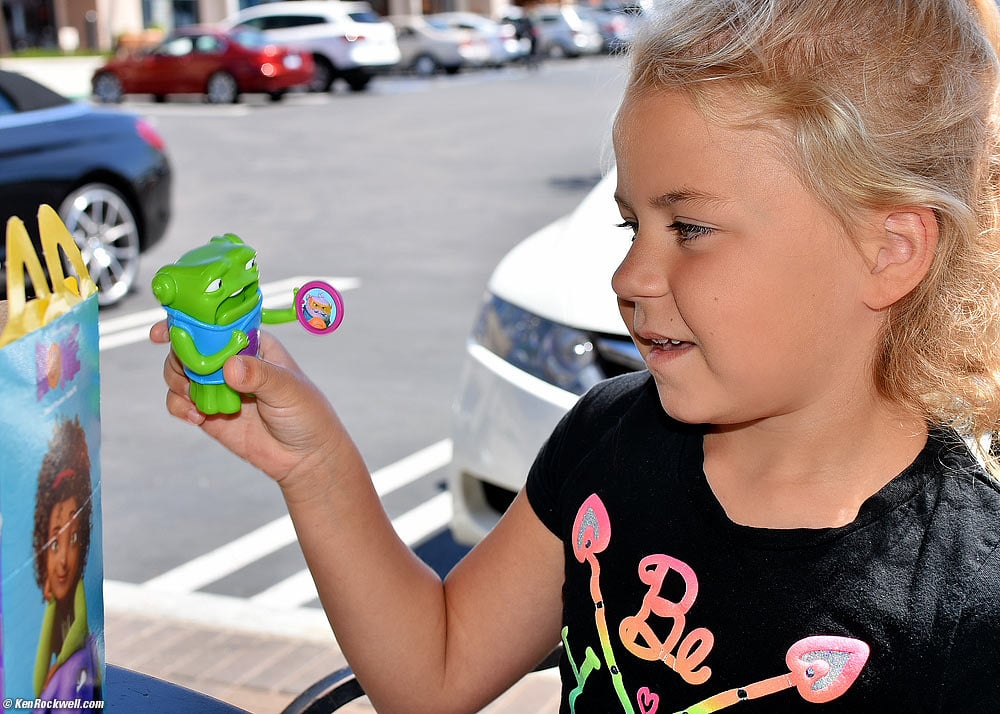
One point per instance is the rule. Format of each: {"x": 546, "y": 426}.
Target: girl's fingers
{"x": 159, "y": 333}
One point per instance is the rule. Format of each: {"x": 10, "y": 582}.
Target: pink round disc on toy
{"x": 319, "y": 307}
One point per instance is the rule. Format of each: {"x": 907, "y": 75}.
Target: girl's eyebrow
{"x": 672, "y": 198}
{"x": 685, "y": 195}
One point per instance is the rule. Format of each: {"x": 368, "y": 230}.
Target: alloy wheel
{"x": 103, "y": 225}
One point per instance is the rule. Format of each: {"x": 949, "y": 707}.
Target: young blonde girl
{"x": 781, "y": 512}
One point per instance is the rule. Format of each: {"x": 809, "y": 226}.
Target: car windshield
{"x": 20, "y": 94}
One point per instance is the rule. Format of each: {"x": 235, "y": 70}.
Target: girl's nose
{"x": 643, "y": 273}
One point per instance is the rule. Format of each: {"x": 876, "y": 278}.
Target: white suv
{"x": 348, "y": 40}
{"x": 548, "y": 330}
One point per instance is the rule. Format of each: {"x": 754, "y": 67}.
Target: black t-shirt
{"x": 668, "y": 603}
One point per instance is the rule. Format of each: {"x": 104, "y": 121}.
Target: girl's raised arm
{"x": 416, "y": 644}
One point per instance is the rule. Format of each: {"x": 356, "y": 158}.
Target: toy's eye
{"x": 214, "y": 286}
{"x": 252, "y": 263}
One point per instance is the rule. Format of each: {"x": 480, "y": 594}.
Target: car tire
{"x": 277, "y": 95}
{"x": 222, "y": 89}
{"x": 323, "y": 75}
{"x": 425, "y": 66}
{"x": 104, "y": 225}
{"x": 357, "y": 80}
{"x": 108, "y": 88}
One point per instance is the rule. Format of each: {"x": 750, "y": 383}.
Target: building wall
{"x": 98, "y": 24}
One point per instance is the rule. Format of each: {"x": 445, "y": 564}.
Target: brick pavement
{"x": 263, "y": 673}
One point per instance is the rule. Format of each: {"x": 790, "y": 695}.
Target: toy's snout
{"x": 164, "y": 288}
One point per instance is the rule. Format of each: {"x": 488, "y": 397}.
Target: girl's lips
{"x": 669, "y": 345}
{"x": 665, "y": 348}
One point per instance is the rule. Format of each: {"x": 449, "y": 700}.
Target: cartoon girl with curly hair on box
{"x": 64, "y": 664}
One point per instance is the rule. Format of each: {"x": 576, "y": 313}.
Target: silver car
{"x": 427, "y": 49}
{"x": 500, "y": 39}
{"x": 564, "y": 31}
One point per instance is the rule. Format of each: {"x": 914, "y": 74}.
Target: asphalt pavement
{"x": 258, "y": 672}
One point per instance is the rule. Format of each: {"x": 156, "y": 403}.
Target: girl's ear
{"x": 900, "y": 254}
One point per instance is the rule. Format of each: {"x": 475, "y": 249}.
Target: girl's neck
{"x": 773, "y": 475}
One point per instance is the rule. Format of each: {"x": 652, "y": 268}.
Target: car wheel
{"x": 425, "y": 66}
{"x": 222, "y": 89}
{"x": 108, "y": 88}
{"x": 357, "y": 80}
{"x": 277, "y": 95}
{"x": 103, "y": 224}
{"x": 323, "y": 75}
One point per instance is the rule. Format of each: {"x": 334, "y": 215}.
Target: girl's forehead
{"x": 718, "y": 128}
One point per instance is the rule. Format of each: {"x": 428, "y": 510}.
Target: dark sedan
{"x": 221, "y": 65}
{"x": 105, "y": 171}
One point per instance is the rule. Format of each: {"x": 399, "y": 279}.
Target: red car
{"x": 221, "y": 65}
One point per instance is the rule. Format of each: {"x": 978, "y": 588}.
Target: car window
{"x": 283, "y": 22}
{"x": 25, "y": 95}
{"x": 364, "y": 16}
{"x": 6, "y": 105}
{"x": 176, "y": 47}
{"x": 209, "y": 44}
{"x": 257, "y": 23}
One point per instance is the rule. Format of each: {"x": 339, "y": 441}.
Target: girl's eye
{"x": 630, "y": 225}
{"x": 214, "y": 286}
{"x": 688, "y": 231}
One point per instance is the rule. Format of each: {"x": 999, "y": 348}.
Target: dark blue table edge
{"x": 129, "y": 692}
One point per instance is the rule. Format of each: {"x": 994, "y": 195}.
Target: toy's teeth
{"x": 237, "y": 292}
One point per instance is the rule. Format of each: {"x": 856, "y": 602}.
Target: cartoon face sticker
{"x": 319, "y": 307}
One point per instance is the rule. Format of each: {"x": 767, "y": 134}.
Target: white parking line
{"x": 132, "y": 328}
{"x": 277, "y": 610}
{"x": 217, "y": 611}
{"x": 277, "y": 534}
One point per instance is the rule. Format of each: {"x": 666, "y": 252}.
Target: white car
{"x": 548, "y": 330}
{"x": 347, "y": 40}
{"x": 427, "y": 49}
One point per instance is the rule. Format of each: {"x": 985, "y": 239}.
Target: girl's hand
{"x": 285, "y": 427}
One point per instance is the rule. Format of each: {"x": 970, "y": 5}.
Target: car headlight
{"x": 555, "y": 353}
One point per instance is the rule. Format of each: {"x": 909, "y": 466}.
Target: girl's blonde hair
{"x": 887, "y": 103}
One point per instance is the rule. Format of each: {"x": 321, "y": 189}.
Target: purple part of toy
{"x": 253, "y": 348}
{"x": 75, "y": 679}
{"x": 324, "y": 294}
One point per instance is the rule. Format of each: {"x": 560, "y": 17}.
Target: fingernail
{"x": 238, "y": 370}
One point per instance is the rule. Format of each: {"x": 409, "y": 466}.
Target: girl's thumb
{"x": 250, "y": 375}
